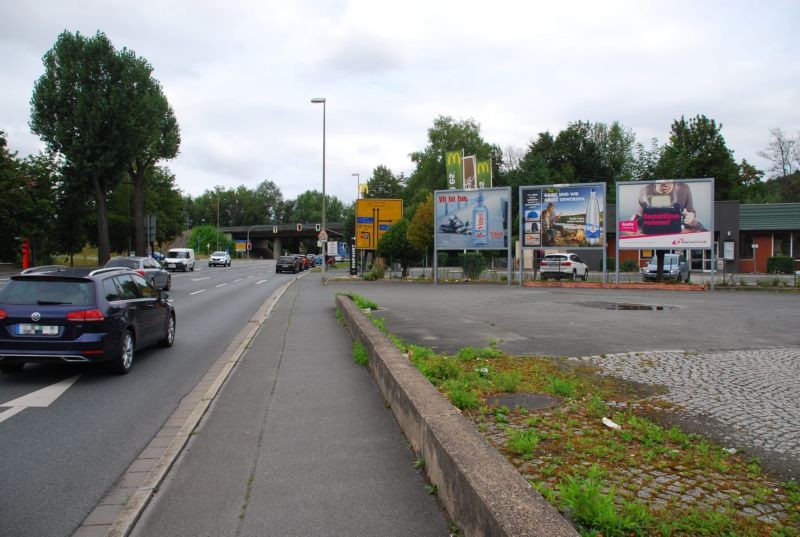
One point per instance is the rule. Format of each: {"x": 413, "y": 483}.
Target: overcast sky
{"x": 240, "y": 75}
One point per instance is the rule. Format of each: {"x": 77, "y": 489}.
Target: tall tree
{"x": 420, "y": 229}
{"x": 308, "y": 208}
{"x": 783, "y": 152}
{"x": 446, "y": 134}
{"x": 87, "y": 107}
{"x": 384, "y": 184}
{"x": 697, "y": 149}
{"x": 159, "y": 138}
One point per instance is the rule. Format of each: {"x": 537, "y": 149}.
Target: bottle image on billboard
{"x": 593, "y": 220}
{"x": 480, "y": 223}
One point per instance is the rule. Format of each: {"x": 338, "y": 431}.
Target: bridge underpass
{"x": 270, "y": 240}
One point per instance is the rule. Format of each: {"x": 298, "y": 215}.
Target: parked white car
{"x": 563, "y": 266}
{"x": 219, "y": 258}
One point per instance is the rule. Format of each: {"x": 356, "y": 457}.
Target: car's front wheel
{"x": 169, "y": 335}
{"x": 124, "y": 360}
{"x": 585, "y": 275}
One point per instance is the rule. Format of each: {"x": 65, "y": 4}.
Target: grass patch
{"x": 363, "y": 303}
{"x": 360, "y": 354}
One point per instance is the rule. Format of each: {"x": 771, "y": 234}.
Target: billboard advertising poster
{"x": 472, "y": 219}
{"x": 563, "y": 216}
{"x": 374, "y": 217}
{"x": 666, "y": 214}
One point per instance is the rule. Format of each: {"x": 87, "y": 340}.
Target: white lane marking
{"x": 197, "y": 292}
{"x": 39, "y": 399}
{"x": 260, "y": 282}
{"x": 237, "y": 280}
{"x": 198, "y": 279}
{"x": 222, "y": 285}
{"x": 250, "y": 277}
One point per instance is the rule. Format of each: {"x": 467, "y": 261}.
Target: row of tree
{"x": 107, "y": 123}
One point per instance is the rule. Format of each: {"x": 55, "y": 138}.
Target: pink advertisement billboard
{"x": 665, "y": 214}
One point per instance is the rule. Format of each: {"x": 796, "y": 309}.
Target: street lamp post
{"x": 353, "y": 261}
{"x": 318, "y": 100}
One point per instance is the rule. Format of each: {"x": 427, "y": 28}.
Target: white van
{"x": 179, "y": 259}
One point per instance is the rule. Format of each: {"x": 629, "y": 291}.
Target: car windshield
{"x": 125, "y": 263}
{"x": 173, "y": 253}
{"x": 669, "y": 259}
{"x": 556, "y": 258}
{"x": 285, "y": 259}
{"x": 47, "y": 292}
{"x": 219, "y": 254}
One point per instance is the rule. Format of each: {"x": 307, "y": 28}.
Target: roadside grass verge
{"x": 642, "y": 478}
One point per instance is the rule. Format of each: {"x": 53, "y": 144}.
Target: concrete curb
{"x": 641, "y": 285}
{"x": 118, "y": 512}
{"x": 480, "y": 490}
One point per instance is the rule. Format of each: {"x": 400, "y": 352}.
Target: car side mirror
{"x": 163, "y": 295}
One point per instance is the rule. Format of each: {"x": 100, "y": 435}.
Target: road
{"x": 58, "y": 461}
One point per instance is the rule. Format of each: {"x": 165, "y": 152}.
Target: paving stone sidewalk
{"x": 745, "y": 398}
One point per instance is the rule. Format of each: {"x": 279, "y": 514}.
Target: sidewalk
{"x": 298, "y": 442}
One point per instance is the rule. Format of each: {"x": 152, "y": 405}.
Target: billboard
{"x": 563, "y": 216}
{"x": 665, "y": 214}
{"x": 472, "y": 219}
{"x": 470, "y": 182}
{"x": 374, "y": 217}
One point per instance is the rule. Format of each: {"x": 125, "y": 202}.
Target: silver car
{"x": 675, "y": 269}
{"x": 219, "y": 258}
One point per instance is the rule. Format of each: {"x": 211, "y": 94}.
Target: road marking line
{"x": 260, "y": 282}
{"x": 38, "y": 399}
{"x": 237, "y": 280}
{"x": 222, "y": 285}
{"x": 197, "y": 292}
{"x": 198, "y": 279}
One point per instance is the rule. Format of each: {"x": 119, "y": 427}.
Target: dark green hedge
{"x": 780, "y": 265}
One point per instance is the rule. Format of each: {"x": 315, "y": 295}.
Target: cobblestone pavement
{"x": 746, "y": 399}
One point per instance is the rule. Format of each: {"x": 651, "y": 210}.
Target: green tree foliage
{"x": 395, "y": 246}
{"x": 206, "y": 239}
{"x": 384, "y": 184}
{"x": 89, "y": 106}
{"x": 160, "y": 139}
{"x": 26, "y": 205}
{"x": 446, "y": 134}
{"x": 586, "y": 153}
{"x": 697, "y": 149}
{"x": 307, "y": 208}
{"x": 420, "y": 230}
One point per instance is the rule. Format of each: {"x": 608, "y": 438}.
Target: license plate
{"x": 36, "y": 330}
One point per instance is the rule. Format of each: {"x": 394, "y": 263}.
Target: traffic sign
{"x": 323, "y": 235}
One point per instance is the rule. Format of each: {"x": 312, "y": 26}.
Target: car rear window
{"x": 47, "y": 292}
{"x": 125, "y": 263}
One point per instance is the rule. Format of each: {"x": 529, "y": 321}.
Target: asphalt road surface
{"x": 57, "y": 461}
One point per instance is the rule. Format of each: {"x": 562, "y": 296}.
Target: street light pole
{"x": 318, "y": 100}
{"x": 355, "y": 226}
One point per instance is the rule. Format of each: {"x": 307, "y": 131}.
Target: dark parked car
{"x": 675, "y": 269}
{"x": 286, "y": 263}
{"x": 147, "y": 267}
{"x": 59, "y": 315}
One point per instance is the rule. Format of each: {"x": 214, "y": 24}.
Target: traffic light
{"x": 299, "y": 227}
{"x": 317, "y": 227}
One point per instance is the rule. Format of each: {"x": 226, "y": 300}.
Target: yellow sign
{"x": 374, "y": 217}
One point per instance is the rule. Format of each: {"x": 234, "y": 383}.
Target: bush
{"x": 473, "y": 264}
{"x": 629, "y": 265}
{"x": 780, "y": 265}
